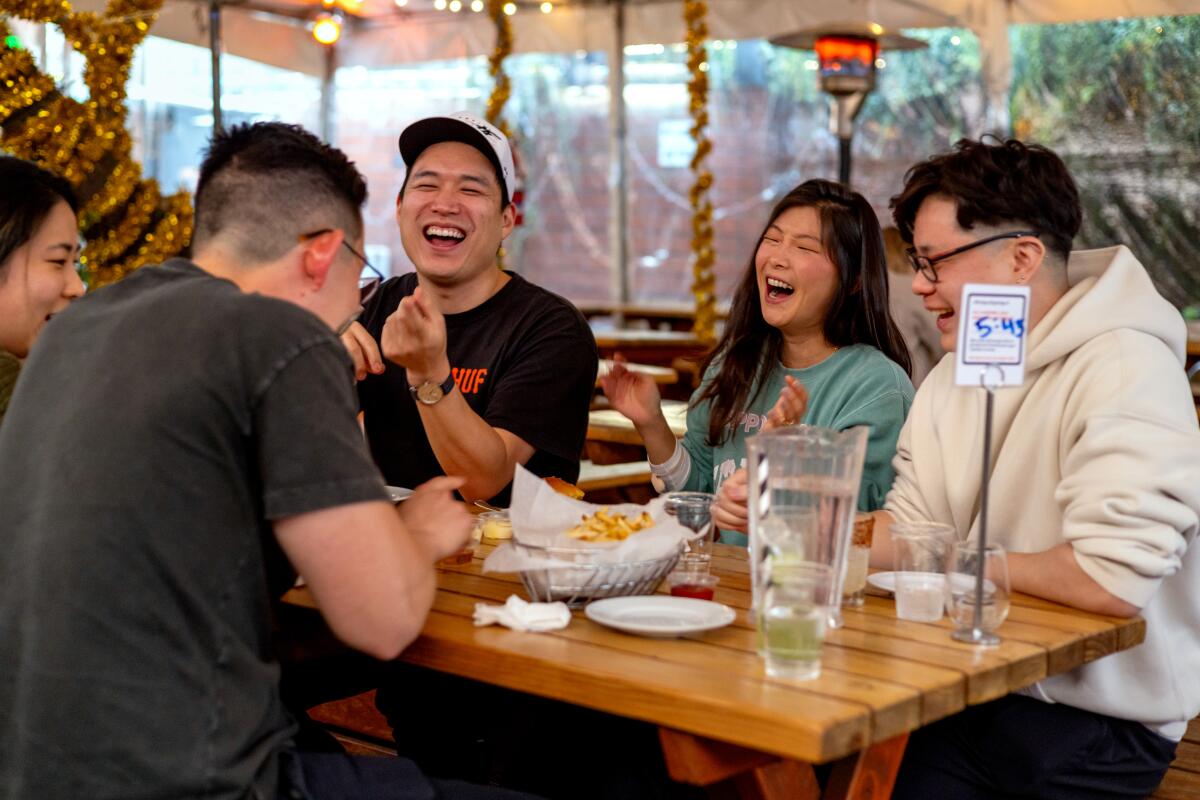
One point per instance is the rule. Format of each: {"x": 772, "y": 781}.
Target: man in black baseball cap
{"x": 464, "y": 368}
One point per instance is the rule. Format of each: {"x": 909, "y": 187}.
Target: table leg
{"x": 869, "y": 774}
{"x": 729, "y": 770}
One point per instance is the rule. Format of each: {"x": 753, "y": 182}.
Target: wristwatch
{"x": 429, "y": 392}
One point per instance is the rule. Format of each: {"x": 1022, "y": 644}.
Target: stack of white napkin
{"x": 521, "y": 615}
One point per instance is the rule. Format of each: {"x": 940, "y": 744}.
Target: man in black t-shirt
{"x": 466, "y": 369}
{"x": 179, "y": 445}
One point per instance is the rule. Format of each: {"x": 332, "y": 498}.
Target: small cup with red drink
{"x": 690, "y": 580}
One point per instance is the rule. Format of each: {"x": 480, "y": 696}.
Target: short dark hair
{"x": 27, "y": 194}
{"x": 996, "y": 184}
{"x": 268, "y": 183}
{"x": 858, "y": 313}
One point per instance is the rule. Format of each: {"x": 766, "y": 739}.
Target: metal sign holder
{"x": 976, "y": 634}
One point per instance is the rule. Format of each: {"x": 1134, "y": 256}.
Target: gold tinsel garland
{"x": 703, "y": 279}
{"x": 501, "y": 86}
{"x": 124, "y": 219}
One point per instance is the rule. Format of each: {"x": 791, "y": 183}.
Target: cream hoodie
{"x": 1098, "y": 448}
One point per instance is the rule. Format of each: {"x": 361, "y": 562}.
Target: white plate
{"x": 962, "y": 581}
{"x": 397, "y": 494}
{"x": 660, "y": 615}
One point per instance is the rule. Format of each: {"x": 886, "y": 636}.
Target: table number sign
{"x": 992, "y": 323}
{"x": 992, "y": 326}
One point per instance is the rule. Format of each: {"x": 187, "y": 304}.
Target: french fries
{"x": 605, "y": 527}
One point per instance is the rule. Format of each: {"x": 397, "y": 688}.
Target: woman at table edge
{"x": 39, "y": 242}
{"x": 809, "y": 339}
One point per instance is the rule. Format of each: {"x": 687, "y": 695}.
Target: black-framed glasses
{"x": 367, "y": 286}
{"x": 926, "y": 265}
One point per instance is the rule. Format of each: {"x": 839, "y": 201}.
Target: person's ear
{"x": 318, "y": 256}
{"x": 1029, "y": 253}
{"x": 508, "y": 220}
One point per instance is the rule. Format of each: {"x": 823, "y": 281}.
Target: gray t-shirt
{"x": 160, "y": 426}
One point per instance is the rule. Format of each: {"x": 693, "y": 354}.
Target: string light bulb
{"x": 510, "y": 9}
{"x": 547, "y": 7}
{"x": 477, "y": 6}
{"x": 327, "y": 28}
{"x": 455, "y": 6}
{"x": 440, "y": 5}
{"x": 401, "y": 3}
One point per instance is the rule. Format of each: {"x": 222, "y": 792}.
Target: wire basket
{"x": 581, "y": 580}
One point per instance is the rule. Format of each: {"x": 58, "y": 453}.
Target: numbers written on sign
{"x": 986, "y": 326}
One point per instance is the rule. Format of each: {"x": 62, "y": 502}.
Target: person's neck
{"x": 806, "y": 349}
{"x": 218, "y": 264}
{"x": 460, "y": 297}
{"x": 1043, "y": 296}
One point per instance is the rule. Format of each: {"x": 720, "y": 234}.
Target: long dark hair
{"x": 858, "y": 314}
{"x": 27, "y": 194}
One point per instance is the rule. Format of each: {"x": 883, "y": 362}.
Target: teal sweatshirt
{"x": 856, "y": 385}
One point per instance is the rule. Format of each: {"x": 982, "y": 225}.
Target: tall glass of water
{"x": 694, "y": 511}
{"x": 922, "y": 551}
{"x": 963, "y": 568}
{"x": 804, "y": 484}
{"x": 796, "y": 599}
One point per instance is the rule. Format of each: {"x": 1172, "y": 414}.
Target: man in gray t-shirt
{"x": 177, "y": 444}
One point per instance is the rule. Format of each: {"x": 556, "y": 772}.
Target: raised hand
{"x": 790, "y": 407}
{"x": 414, "y": 337}
{"x": 438, "y": 522}
{"x": 632, "y": 393}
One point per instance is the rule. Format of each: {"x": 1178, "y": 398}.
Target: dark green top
{"x": 9, "y": 367}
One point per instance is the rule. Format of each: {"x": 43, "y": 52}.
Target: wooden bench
{"x": 1182, "y": 781}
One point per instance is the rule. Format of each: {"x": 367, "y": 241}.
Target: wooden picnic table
{"x": 673, "y": 315}
{"x": 649, "y": 347}
{"x": 663, "y": 376}
{"x": 721, "y": 719}
{"x": 612, "y": 439}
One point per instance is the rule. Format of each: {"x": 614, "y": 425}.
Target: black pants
{"x": 338, "y": 776}
{"x": 1021, "y": 747}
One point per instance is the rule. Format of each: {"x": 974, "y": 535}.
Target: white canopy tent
{"x": 383, "y": 35}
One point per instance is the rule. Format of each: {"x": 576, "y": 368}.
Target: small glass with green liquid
{"x": 792, "y": 622}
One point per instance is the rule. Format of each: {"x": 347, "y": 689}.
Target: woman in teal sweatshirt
{"x": 809, "y": 339}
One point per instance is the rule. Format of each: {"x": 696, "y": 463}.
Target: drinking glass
{"x": 922, "y": 550}
{"x": 963, "y": 568}
{"x": 694, "y": 511}
{"x": 858, "y": 560}
{"x": 795, "y": 612}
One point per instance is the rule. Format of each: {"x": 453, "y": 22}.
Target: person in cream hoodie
{"x": 1095, "y": 485}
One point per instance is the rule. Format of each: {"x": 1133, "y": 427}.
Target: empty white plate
{"x": 398, "y": 494}
{"x": 660, "y": 615}
{"x": 962, "y": 581}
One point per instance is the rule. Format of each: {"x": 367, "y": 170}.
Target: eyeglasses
{"x": 926, "y": 264}
{"x": 367, "y": 286}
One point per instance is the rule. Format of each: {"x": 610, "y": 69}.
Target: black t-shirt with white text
{"x": 524, "y": 360}
{"x": 158, "y": 428}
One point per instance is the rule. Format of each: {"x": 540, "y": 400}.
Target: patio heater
{"x": 847, "y": 58}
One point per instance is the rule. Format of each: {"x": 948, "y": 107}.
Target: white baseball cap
{"x": 468, "y": 129}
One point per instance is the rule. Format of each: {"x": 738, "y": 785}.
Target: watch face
{"x": 429, "y": 393}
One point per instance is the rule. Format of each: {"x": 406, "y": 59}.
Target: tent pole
{"x": 327, "y": 90}
{"x": 619, "y": 173}
{"x": 214, "y": 47}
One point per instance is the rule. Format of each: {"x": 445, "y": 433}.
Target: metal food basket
{"x": 581, "y": 580}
